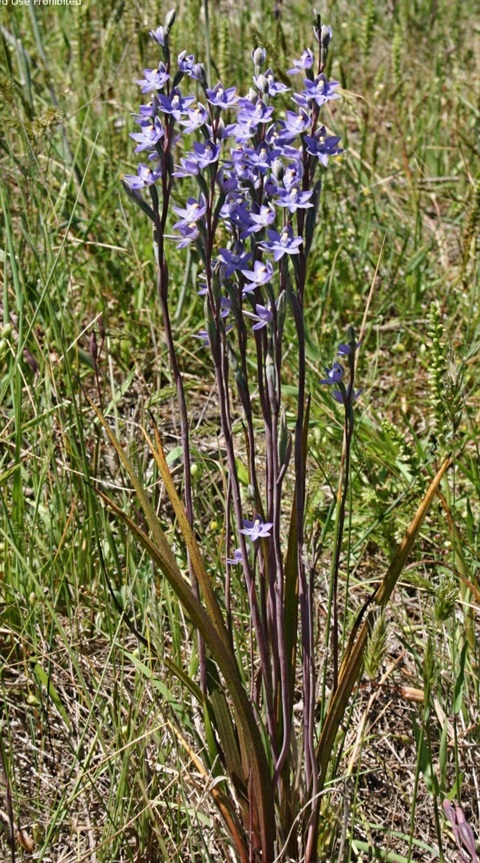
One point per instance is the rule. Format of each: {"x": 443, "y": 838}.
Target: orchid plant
{"x": 257, "y": 167}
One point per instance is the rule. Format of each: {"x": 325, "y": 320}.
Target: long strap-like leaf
{"x": 254, "y": 759}
{"x": 353, "y": 659}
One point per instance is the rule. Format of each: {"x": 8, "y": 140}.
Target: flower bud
{"x": 259, "y": 55}
{"x": 278, "y": 169}
{"x": 325, "y": 36}
{"x": 170, "y": 19}
{"x": 262, "y": 83}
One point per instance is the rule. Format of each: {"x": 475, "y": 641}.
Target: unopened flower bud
{"x": 252, "y": 96}
{"x": 200, "y": 74}
{"x": 262, "y": 83}
{"x": 278, "y": 169}
{"x": 170, "y": 19}
{"x": 325, "y": 36}
{"x": 259, "y": 55}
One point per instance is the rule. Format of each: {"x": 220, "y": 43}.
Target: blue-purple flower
{"x": 293, "y": 198}
{"x": 305, "y": 62}
{"x": 257, "y": 529}
{"x": 284, "y": 243}
{"x": 196, "y": 117}
{"x": 155, "y": 79}
{"x": 334, "y": 374}
{"x": 145, "y": 177}
{"x": 152, "y": 132}
{"x": 175, "y": 104}
{"x": 261, "y": 274}
{"x": 260, "y": 217}
{"x": 234, "y": 259}
{"x": 322, "y": 145}
{"x": 237, "y": 557}
{"x": 193, "y": 211}
{"x": 222, "y": 97}
{"x": 320, "y": 91}
{"x": 263, "y": 315}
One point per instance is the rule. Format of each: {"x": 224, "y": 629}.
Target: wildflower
{"x": 193, "y": 211}
{"x": 293, "y": 125}
{"x": 151, "y": 134}
{"x": 196, "y": 118}
{"x": 334, "y": 374}
{"x": 293, "y": 198}
{"x": 322, "y": 145}
{"x": 257, "y": 529}
{"x": 344, "y": 350}
{"x": 260, "y": 275}
{"x": 206, "y": 154}
{"x": 237, "y": 557}
{"x": 234, "y": 259}
{"x": 305, "y": 62}
{"x": 282, "y": 244}
{"x": 345, "y": 396}
{"x": 155, "y": 79}
{"x": 188, "y": 233}
{"x": 222, "y": 97}
{"x": 145, "y": 177}
{"x": 174, "y": 104}
{"x": 260, "y": 217}
{"x": 254, "y": 113}
{"x": 319, "y": 91}
{"x": 266, "y": 84}
{"x": 263, "y": 316}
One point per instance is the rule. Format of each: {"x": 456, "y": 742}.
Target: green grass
{"x": 92, "y": 724}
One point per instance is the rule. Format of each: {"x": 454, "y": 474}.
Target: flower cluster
{"x": 254, "y": 160}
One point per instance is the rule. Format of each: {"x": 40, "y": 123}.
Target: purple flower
{"x": 320, "y": 91}
{"x": 196, "y": 118}
{"x": 234, "y": 259}
{"x": 244, "y": 130}
{"x": 293, "y": 198}
{"x": 151, "y": 134}
{"x": 293, "y": 125}
{"x": 155, "y": 79}
{"x": 186, "y": 64}
{"x": 159, "y": 35}
{"x": 188, "y": 233}
{"x": 237, "y": 557}
{"x": 305, "y": 62}
{"x": 266, "y": 84}
{"x": 235, "y": 210}
{"x": 260, "y": 275}
{"x": 257, "y": 529}
{"x": 259, "y": 219}
{"x": 206, "y": 154}
{"x": 334, "y": 375}
{"x": 175, "y": 104}
{"x": 145, "y": 177}
{"x": 263, "y": 315}
{"x": 203, "y": 336}
{"x": 282, "y": 244}
{"x": 193, "y": 211}
{"x": 293, "y": 174}
{"x": 344, "y": 397}
{"x": 344, "y": 350}
{"x": 188, "y": 167}
{"x": 222, "y": 97}
{"x": 254, "y": 113}
{"x": 322, "y": 145}
{"x": 261, "y": 157}
{"x": 226, "y": 306}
